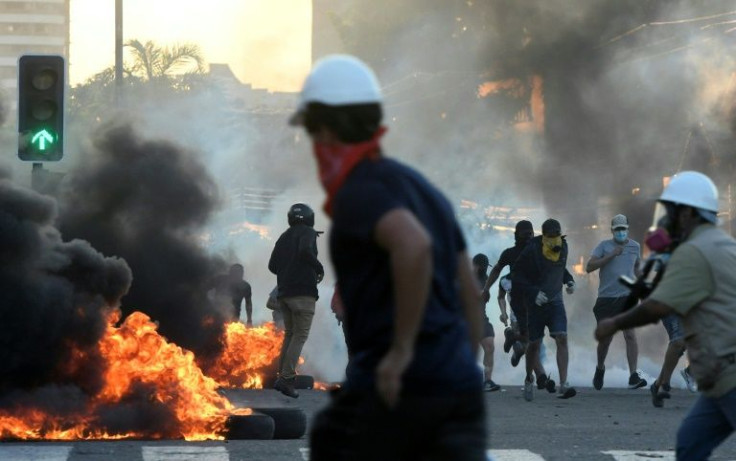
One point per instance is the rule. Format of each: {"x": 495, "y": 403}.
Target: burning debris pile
{"x": 80, "y": 358}
{"x": 149, "y": 388}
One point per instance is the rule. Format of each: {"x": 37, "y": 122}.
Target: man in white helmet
{"x": 413, "y": 388}
{"x": 699, "y": 284}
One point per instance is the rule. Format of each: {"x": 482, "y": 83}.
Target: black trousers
{"x": 358, "y": 426}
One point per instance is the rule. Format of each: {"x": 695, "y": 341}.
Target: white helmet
{"x": 338, "y": 80}
{"x": 694, "y": 189}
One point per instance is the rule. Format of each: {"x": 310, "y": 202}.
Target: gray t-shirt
{"x": 622, "y": 264}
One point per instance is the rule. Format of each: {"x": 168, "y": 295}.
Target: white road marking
{"x": 34, "y": 453}
{"x": 184, "y": 453}
{"x": 495, "y": 455}
{"x": 513, "y": 455}
{"x": 622, "y": 455}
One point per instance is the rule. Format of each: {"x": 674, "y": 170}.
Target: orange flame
{"x": 264, "y": 232}
{"x": 247, "y": 354}
{"x": 136, "y": 359}
{"x": 579, "y": 267}
{"x": 320, "y": 386}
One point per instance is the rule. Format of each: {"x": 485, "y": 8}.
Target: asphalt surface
{"x": 612, "y": 424}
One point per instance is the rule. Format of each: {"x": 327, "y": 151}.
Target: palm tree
{"x": 149, "y": 69}
{"x": 151, "y": 61}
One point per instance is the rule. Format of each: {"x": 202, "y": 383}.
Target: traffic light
{"x": 41, "y": 82}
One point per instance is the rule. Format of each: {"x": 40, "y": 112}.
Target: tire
{"x": 304, "y": 382}
{"x": 256, "y": 426}
{"x": 290, "y": 423}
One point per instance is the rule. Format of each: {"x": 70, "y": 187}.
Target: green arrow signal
{"x": 42, "y": 137}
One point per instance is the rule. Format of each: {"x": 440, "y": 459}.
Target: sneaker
{"x": 598, "y": 378}
{"x": 550, "y": 385}
{"x": 286, "y": 387}
{"x": 528, "y": 390}
{"x": 656, "y": 399}
{"x": 636, "y": 381}
{"x": 490, "y": 386}
{"x": 664, "y": 391}
{"x": 543, "y": 382}
{"x": 508, "y": 334}
{"x": 692, "y": 386}
{"x": 518, "y": 354}
{"x": 566, "y": 391}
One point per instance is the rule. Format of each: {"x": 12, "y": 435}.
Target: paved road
{"x": 608, "y": 425}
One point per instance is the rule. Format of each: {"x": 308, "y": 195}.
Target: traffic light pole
{"x": 44, "y": 181}
{"x": 37, "y": 176}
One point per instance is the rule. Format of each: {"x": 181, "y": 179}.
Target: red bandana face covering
{"x": 337, "y": 160}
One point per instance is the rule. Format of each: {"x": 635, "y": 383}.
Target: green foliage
{"x": 149, "y": 72}
{"x": 153, "y": 62}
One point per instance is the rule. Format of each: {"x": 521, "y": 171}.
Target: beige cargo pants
{"x": 298, "y": 312}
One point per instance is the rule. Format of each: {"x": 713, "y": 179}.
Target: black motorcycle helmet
{"x": 299, "y": 213}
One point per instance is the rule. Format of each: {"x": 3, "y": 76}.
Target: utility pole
{"x": 118, "y": 51}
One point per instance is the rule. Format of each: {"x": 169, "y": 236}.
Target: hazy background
{"x": 515, "y": 109}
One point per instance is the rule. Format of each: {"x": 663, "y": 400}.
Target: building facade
{"x": 30, "y": 27}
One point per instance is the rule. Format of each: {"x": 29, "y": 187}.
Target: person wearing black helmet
{"x": 480, "y": 267}
{"x": 298, "y": 271}
{"x": 539, "y": 275}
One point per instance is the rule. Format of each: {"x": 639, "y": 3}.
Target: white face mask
{"x": 620, "y": 236}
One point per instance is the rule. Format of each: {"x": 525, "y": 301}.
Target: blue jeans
{"x": 710, "y": 422}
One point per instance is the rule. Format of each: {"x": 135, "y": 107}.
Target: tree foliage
{"x": 150, "y": 71}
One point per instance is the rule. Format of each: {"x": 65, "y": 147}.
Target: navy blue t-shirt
{"x": 443, "y": 357}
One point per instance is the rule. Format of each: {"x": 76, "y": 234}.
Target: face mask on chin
{"x": 620, "y": 236}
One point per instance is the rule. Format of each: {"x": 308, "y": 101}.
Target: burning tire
{"x": 256, "y": 426}
{"x": 304, "y": 382}
{"x": 290, "y": 423}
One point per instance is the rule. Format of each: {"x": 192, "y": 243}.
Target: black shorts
{"x": 488, "y": 329}
{"x": 358, "y": 426}
{"x": 608, "y": 307}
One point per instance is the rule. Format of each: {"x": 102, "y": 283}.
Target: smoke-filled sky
{"x": 632, "y": 90}
{"x": 266, "y": 43}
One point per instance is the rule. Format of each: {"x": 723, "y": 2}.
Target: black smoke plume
{"x": 55, "y": 297}
{"x": 146, "y": 201}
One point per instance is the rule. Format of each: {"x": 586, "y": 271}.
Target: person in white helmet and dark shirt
{"x": 413, "y": 388}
